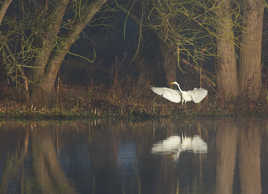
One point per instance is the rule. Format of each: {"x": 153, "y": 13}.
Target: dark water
{"x": 221, "y": 156}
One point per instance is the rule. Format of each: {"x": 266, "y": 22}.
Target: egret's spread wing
{"x": 177, "y": 144}
{"x": 198, "y": 94}
{"x": 167, "y": 93}
{"x": 169, "y": 145}
{"x": 199, "y": 145}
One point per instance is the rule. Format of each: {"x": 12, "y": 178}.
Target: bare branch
{"x": 3, "y": 9}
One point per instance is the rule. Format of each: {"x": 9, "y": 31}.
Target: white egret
{"x": 168, "y": 93}
{"x": 196, "y": 95}
{"x": 176, "y": 144}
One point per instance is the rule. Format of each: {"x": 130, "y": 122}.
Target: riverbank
{"x": 135, "y": 104}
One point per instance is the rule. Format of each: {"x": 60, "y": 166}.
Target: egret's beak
{"x": 171, "y": 83}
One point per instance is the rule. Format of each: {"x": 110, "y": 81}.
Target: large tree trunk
{"x": 250, "y": 51}
{"x": 169, "y": 61}
{"x": 49, "y": 39}
{"x": 227, "y": 81}
{"x": 47, "y": 82}
{"x": 3, "y": 9}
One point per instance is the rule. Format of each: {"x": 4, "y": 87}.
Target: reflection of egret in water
{"x": 174, "y": 145}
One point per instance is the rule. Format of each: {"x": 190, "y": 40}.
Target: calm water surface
{"x": 221, "y": 156}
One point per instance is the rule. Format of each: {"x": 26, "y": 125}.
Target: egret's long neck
{"x": 178, "y": 86}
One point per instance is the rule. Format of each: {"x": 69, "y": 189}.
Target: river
{"x": 165, "y": 156}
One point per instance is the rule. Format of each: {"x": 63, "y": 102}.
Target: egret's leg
{"x": 182, "y": 99}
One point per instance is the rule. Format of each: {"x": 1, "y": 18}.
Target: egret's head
{"x": 176, "y": 83}
{"x": 173, "y": 83}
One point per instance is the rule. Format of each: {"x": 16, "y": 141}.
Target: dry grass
{"x": 121, "y": 100}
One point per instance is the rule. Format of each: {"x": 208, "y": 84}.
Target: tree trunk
{"x": 169, "y": 61}
{"x": 47, "y": 83}
{"x": 3, "y": 9}
{"x": 49, "y": 39}
{"x": 227, "y": 81}
{"x": 250, "y": 51}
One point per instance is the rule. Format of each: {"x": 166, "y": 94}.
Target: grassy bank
{"x": 119, "y": 103}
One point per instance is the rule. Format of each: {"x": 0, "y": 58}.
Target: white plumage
{"x": 168, "y": 93}
{"x": 196, "y": 95}
{"x": 169, "y": 145}
{"x": 176, "y": 144}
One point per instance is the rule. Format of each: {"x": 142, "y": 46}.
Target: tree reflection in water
{"x": 249, "y": 156}
{"x": 115, "y": 157}
{"x": 244, "y": 135}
